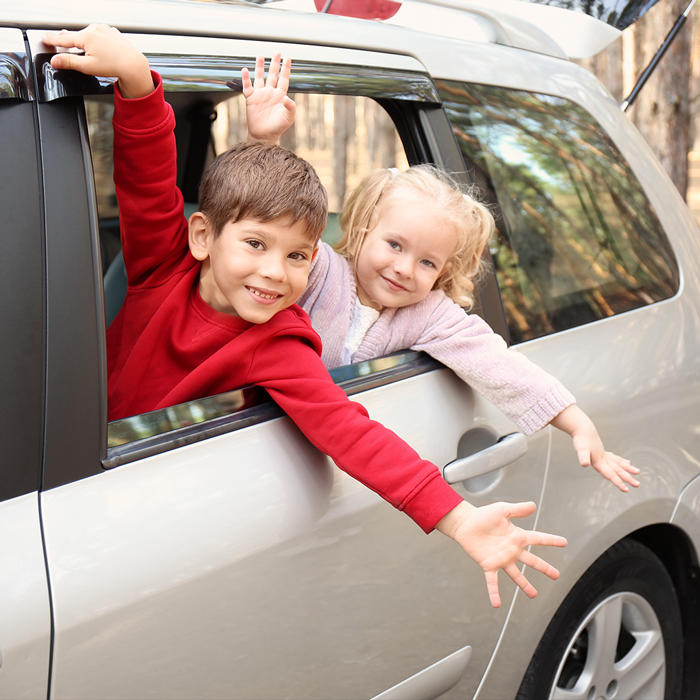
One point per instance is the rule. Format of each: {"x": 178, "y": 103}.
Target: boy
{"x": 210, "y": 304}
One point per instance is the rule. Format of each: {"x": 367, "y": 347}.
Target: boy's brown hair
{"x": 264, "y": 182}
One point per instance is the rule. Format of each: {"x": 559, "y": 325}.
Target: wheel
{"x": 616, "y": 636}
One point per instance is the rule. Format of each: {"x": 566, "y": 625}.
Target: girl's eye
{"x": 428, "y": 263}
{"x": 394, "y": 245}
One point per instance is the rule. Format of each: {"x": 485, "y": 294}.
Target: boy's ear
{"x": 200, "y": 235}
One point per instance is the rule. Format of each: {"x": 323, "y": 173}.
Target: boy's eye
{"x": 254, "y": 243}
{"x": 297, "y": 256}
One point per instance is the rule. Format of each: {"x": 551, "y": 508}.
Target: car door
{"x": 25, "y": 619}
{"x": 208, "y": 550}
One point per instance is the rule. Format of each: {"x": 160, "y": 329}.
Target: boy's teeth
{"x": 264, "y": 296}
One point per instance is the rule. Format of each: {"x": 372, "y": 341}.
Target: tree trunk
{"x": 662, "y": 110}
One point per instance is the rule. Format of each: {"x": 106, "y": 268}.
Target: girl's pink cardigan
{"x": 463, "y": 342}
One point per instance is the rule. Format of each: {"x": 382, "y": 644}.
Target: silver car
{"x": 208, "y": 550}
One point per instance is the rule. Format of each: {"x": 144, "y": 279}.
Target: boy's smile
{"x": 253, "y": 269}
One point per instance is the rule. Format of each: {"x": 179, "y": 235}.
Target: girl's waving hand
{"x": 269, "y": 110}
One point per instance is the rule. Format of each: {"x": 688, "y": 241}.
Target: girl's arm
{"x": 590, "y": 451}
{"x": 529, "y": 396}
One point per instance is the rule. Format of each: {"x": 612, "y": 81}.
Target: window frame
{"x": 411, "y": 100}
{"x": 22, "y": 355}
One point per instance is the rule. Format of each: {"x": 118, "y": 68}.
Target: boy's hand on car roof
{"x": 269, "y": 110}
{"x": 489, "y": 537}
{"x": 107, "y": 53}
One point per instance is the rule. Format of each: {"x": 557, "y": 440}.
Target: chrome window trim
{"x": 353, "y": 379}
{"x": 15, "y": 75}
{"x": 214, "y": 65}
{"x": 217, "y": 74}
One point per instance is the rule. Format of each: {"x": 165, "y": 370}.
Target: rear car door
{"x": 208, "y": 550}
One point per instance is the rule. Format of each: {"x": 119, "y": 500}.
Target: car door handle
{"x": 506, "y": 450}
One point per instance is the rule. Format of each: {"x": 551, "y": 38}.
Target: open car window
{"x": 343, "y": 136}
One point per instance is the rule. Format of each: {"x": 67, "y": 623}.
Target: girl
{"x": 401, "y": 277}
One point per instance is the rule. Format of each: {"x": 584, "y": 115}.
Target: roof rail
{"x": 525, "y": 25}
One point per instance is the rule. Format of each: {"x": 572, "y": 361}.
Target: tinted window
{"x": 577, "y": 238}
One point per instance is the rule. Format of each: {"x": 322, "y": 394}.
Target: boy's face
{"x": 254, "y": 269}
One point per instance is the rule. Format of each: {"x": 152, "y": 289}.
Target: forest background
{"x": 667, "y": 110}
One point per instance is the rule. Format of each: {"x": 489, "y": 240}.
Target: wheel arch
{"x": 677, "y": 553}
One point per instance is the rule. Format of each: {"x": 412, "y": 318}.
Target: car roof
{"x": 538, "y": 28}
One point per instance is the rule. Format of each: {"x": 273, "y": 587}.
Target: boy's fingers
{"x": 65, "y": 39}
{"x": 259, "y": 81}
{"x": 520, "y": 510}
{"x": 71, "y": 61}
{"x": 520, "y": 580}
{"x": 545, "y": 538}
{"x": 539, "y": 564}
{"x": 492, "y": 588}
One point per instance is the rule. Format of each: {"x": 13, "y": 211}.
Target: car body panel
{"x": 292, "y": 545}
{"x": 25, "y": 633}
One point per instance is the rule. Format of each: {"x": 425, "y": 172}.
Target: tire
{"x": 616, "y": 636}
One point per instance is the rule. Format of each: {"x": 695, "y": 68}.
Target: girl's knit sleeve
{"x": 466, "y": 344}
{"x": 297, "y": 380}
{"x": 151, "y": 214}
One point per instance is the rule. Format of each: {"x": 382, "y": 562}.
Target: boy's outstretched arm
{"x": 489, "y": 537}
{"x": 590, "y": 451}
{"x": 106, "y": 53}
{"x": 269, "y": 110}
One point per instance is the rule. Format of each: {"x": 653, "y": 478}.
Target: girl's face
{"x": 405, "y": 253}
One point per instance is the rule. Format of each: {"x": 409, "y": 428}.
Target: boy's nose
{"x": 273, "y": 268}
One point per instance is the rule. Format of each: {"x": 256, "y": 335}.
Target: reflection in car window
{"x": 577, "y": 238}
{"x": 147, "y": 434}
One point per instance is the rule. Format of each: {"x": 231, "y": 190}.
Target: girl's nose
{"x": 403, "y": 266}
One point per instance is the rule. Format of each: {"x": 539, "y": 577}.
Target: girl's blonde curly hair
{"x": 471, "y": 219}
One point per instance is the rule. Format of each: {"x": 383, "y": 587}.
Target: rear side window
{"x": 577, "y": 238}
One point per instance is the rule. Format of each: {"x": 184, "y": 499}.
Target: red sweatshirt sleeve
{"x": 151, "y": 213}
{"x": 297, "y": 380}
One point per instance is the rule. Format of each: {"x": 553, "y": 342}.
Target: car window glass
{"x": 344, "y": 137}
{"x": 577, "y": 238}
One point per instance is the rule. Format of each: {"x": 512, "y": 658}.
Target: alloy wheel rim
{"x": 616, "y": 653}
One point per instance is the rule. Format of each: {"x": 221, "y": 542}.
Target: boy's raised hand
{"x": 107, "y": 53}
{"x": 489, "y": 537}
{"x": 269, "y": 110}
